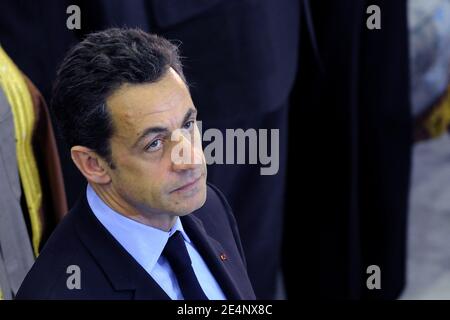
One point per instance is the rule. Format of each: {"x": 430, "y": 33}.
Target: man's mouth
{"x": 188, "y": 185}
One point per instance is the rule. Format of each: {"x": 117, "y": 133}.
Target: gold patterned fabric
{"x": 18, "y": 95}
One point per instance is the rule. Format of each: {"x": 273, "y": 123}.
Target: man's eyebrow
{"x": 189, "y": 114}
{"x": 158, "y": 129}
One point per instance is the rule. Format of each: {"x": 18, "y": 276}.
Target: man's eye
{"x": 188, "y": 125}
{"x": 155, "y": 145}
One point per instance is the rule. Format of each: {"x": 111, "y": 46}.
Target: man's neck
{"x": 160, "y": 220}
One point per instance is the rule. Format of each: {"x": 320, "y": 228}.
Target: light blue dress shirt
{"x": 145, "y": 244}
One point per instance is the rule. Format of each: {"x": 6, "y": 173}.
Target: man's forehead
{"x": 149, "y": 97}
{"x": 167, "y": 98}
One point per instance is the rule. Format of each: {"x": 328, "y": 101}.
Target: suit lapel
{"x": 210, "y": 250}
{"x": 124, "y": 272}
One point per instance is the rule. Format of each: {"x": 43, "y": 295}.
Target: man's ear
{"x": 91, "y": 165}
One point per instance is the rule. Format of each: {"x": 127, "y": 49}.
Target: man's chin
{"x": 187, "y": 205}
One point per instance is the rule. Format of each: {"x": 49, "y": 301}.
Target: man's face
{"x": 146, "y": 176}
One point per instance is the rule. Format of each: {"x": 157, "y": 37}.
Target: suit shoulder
{"x": 217, "y": 215}
{"x": 61, "y": 250}
{"x": 216, "y": 210}
{"x": 216, "y": 199}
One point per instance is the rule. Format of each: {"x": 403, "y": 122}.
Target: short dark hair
{"x": 97, "y": 66}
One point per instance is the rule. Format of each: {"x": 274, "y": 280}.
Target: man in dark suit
{"x": 252, "y": 44}
{"x": 148, "y": 226}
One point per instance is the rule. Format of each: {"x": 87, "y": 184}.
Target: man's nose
{"x": 186, "y": 155}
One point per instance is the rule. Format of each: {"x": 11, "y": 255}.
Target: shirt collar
{"x": 143, "y": 242}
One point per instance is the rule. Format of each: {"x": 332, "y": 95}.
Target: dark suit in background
{"x": 355, "y": 129}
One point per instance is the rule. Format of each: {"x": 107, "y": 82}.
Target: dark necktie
{"x": 176, "y": 253}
